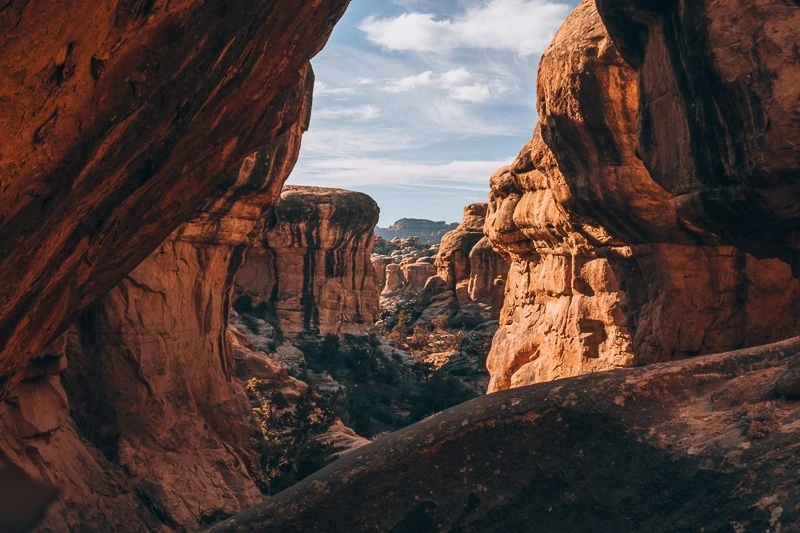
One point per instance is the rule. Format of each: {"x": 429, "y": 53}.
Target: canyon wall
{"x": 312, "y": 273}
{"x": 608, "y": 268}
{"x": 146, "y": 394}
{"x": 718, "y": 125}
{"x": 119, "y": 119}
{"x": 465, "y": 272}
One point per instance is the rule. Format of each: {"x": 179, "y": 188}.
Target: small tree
{"x": 419, "y": 338}
{"x": 330, "y": 346}
{"x": 400, "y": 330}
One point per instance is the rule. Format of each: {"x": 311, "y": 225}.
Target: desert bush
{"x": 441, "y": 322}
{"x": 400, "y": 330}
{"x": 439, "y": 393}
{"x": 330, "y": 346}
{"x": 286, "y": 433}
{"x": 251, "y": 323}
{"x": 243, "y": 305}
{"x": 419, "y": 339}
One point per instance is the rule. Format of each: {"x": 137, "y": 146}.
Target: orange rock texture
{"x": 610, "y": 268}
{"x": 719, "y": 90}
{"x": 468, "y": 264}
{"x": 119, "y": 119}
{"x": 146, "y": 397}
{"x": 313, "y": 270}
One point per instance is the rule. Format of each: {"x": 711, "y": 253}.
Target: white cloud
{"x": 455, "y": 77}
{"x": 349, "y": 142}
{"x": 457, "y": 84}
{"x": 524, "y": 27}
{"x": 362, "y": 112}
{"x": 321, "y": 88}
{"x": 353, "y": 171}
{"x": 471, "y": 93}
{"x": 409, "y": 83}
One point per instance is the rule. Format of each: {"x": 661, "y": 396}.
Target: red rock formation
{"x": 453, "y": 263}
{"x": 704, "y": 434}
{"x": 468, "y": 266}
{"x": 314, "y": 270}
{"x": 119, "y": 119}
{"x": 380, "y": 263}
{"x": 605, "y": 271}
{"x": 417, "y": 273}
{"x": 718, "y": 91}
{"x": 395, "y": 279}
{"x": 149, "y": 371}
{"x": 488, "y": 273}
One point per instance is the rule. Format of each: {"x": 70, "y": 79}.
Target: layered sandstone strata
{"x": 149, "y": 372}
{"x": 313, "y": 272}
{"x": 606, "y": 270}
{"x": 118, "y": 121}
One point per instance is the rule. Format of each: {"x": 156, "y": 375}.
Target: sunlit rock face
{"x": 119, "y": 119}
{"x": 607, "y": 271}
{"x": 313, "y": 272}
{"x": 468, "y": 265}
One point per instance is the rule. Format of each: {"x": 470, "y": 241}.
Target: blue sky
{"x": 417, "y": 102}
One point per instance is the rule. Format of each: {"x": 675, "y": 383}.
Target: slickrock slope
{"x": 166, "y": 433}
{"x": 700, "y": 444}
{"x": 118, "y": 120}
{"x": 608, "y": 269}
{"x": 314, "y": 271}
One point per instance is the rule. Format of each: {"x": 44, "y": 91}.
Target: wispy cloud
{"x": 458, "y": 84}
{"x": 351, "y": 141}
{"x": 321, "y": 89}
{"x": 351, "y": 171}
{"x": 361, "y": 112}
{"x": 409, "y": 83}
{"x": 521, "y": 26}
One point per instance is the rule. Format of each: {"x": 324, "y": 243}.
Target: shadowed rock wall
{"x": 149, "y": 372}
{"x": 119, "y": 119}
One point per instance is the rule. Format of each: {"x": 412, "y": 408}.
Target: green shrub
{"x": 439, "y": 393}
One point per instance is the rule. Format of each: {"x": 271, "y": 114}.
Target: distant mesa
{"x": 428, "y": 231}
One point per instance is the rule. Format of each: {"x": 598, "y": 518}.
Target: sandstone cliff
{"x": 119, "y": 119}
{"x": 427, "y": 231}
{"x": 468, "y": 265}
{"x": 151, "y": 404}
{"x": 718, "y": 92}
{"x": 464, "y": 272}
{"x": 608, "y": 269}
{"x": 313, "y": 272}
